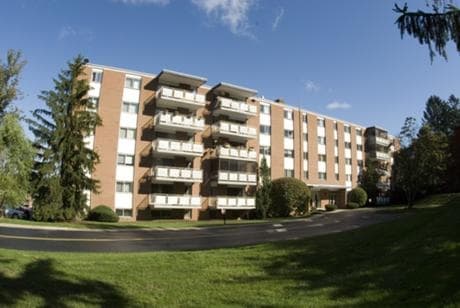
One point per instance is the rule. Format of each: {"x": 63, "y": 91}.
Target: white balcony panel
{"x": 335, "y": 134}
{"x": 173, "y": 174}
{"x": 322, "y": 149}
{"x": 336, "y": 151}
{"x": 264, "y": 140}
{"x": 359, "y": 140}
{"x": 124, "y": 173}
{"x": 288, "y": 124}
{"x": 169, "y": 122}
{"x": 348, "y": 169}
{"x": 238, "y": 154}
{"x": 175, "y": 201}
{"x": 128, "y": 120}
{"x": 235, "y": 203}
{"x": 289, "y": 163}
{"x": 383, "y": 156}
{"x": 94, "y": 89}
{"x": 89, "y": 141}
{"x": 348, "y": 184}
{"x": 382, "y": 141}
{"x": 321, "y": 166}
{"x": 347, "y": 137}
{"x": 236, "y": 178}
{"x": 123, "y": 200}
{"x": 234, "y": 131}
{"x": 336, "y": 168}
{"x": 265, "y": 119}
{"x": 305, "y": 165}
{"x": 288, "y": 144}
{"x": 126, "y": 146}
{"x": 175, "y": 147}
{"x": 359, "y": 155}
{"x": 321, "y": 131}
{"x": 347, "y": 153}
{"x": 235, "y": 109}
{"x": 174, "y": 98}
{"x": 131, "y": 95}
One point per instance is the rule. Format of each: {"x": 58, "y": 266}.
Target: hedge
{"x": 288, "y": 195}
{"x": 102, "y": 213}
{"x": 358, "y": 195}
{"x": 330, "y": 207}
{"x": 352, "y": 205}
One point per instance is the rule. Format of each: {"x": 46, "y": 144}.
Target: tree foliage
{"x": 434, "y": 28}
{"x": 9, "y": 79}
{"x": 63, "y": 163}
{"x": 289, "y": 195}
{"x": 16, "y": 159}
{"x": 263, "y": 200}
{"x": 443, "y": 116}
{"x": 370, "y": 177}
{"x": 358, "y": 195}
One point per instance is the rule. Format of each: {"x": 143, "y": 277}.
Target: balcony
{"x": 234, "y": 203}
{"x": 236, "y": 178}
{"x": 161, "y": 174}
{"x": 166, "y": 147}
{"x": 382, "y": 156}
{"x": 382, "y": 141}
{"x": 235, "y": 153}
{"x": 234, "y": 131}
{"x": 169, "y": 123}
{"x": 162, "y": 201}
{"x": 235, "y": 109}
{"x": 178, "y": 98}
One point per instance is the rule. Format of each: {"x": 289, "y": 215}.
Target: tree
{"x": 434, "y": 28}
{"x": 16, "y": 158}
{"x": 442, "y": 116}
{"x": 63, "y": 164}
{"x": 263, "y": 200}
{"x": 357, "y": 195}
{"x": 369, "y": 178}
{"x": 9, "y": 79}
{"x": 289, "y": 195}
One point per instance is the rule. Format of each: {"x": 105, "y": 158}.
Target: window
{"x": 265, "y": 129}
{"x": 347, "y": 129}
{"x": 336, "y": 142}
{"x": 127, "y": 160}
{"x": 359, "y": 132}
{"x": 305, "y": 174}
{"x": 322, "y": 175}
{"x": 129, "y": 107}
{"x": 336, "y": 126}
{"x": 336, "y": 159}
{"x": 360, "y": 163}
{"x": 127, "y": 133}
{"x": 289, "y": 153}
{"x": 305, "y": 118}
{"x": 337, "y": 176}
{"x": 289, "y": 173}
{"x": 332, "y": 198}
{"x": 359, "y": 147}
{"x": 288, "y": 114}
{"x": 125, "y": 187}
{"x": 265, "y": 109}
{"x": 347, "y": 145}
{"x": 94, "y": 103}
{"x": 305, "y": 137}
{"x": 96, "y": 76}
{"x": 320, "y": 123}
{"x": 132, "y": 83}
{"x": 348, "y": 177}
{"x": 305, "y": 155}
{"x": 321, "y": 140}
{"x": 124, "y": 212}
{"x": 321, "y": 157}
{"x": 265, "y": 150}
{"x": 347, "y": 161}
{"x": 289, "y": 133}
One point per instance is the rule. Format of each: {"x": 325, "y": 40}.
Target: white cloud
{"x": 278, "y": 18}
{"x": 231, "y": 13}
{"x": 338, "y": 105}
{"x": 68, "y": 31}
{"x": 311, "y": 86}
{"x": 140, "y": 2}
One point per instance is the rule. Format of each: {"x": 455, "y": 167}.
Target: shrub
{"x": 102, "y": 213}
{"x": 330, "y": 207}
{"x": 288, "y": 195}
{"x": 357, "y": 195}
{"x": 352, "y": 205}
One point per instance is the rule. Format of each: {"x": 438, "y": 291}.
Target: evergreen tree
{"x": 442, "y": 116}
{"x": 434, "y": 28}
{"x": 63, "y": 163}
{"x": 16, "y": 158}
{"x": 9, "y": 79}
{"x": 370, "y": 178}
{"x": 263, "y": 199}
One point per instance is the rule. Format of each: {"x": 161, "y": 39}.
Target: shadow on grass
{"x": 409, "y": 262}
{"x": 57, "y": 289}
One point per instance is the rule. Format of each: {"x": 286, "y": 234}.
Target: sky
{"x": 344, "y": 59}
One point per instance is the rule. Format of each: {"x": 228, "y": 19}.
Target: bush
{"x": 357, "y": 195}
{"x": 330, "y": 207}
{"x": 352, "y": 205}
{"x": 102, "y": 213}
{"x": 288, "y": 195}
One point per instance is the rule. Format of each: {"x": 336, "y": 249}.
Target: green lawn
{"x": 414, "y": 261}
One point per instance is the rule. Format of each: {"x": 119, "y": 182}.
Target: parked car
{"x": 21, "y": 212}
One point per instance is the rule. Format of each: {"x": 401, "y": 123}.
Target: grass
{"x": 414, "y": 261}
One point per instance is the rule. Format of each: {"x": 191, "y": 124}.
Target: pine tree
{"x": 443, "y": 116}
{"x": 434, "y": 29}
{"x": 63, "y": 164}
{"x": 263, "y": 200}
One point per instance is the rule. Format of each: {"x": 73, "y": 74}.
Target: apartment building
{"x": 172, "y": 146}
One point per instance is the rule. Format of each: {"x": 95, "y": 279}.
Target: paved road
{"x": 190, "y": 239}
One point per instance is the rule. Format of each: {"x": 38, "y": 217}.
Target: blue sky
{"x": 340, "y": 58}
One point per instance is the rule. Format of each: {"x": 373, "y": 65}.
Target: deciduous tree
{"x": 9, "y": 79}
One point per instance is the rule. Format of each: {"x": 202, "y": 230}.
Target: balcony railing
{"x": 175, "y": 147}
{"x": 162, "y": 201}
{"x": 234, "y": 131}
{"x": 235, "y": 153}
{"x": 173, "y": 98}
{"x": 382, "y": 141}
{"x": 236, "y": 178}
{"x": 234, "y": 203}
{"x": 174, "y": 174}
{"x": 240, "y": 110}
{"x": 381, "y": 155}
{"x": 168, "y": 122}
